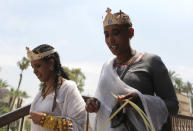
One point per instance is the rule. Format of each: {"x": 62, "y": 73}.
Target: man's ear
{"x": 131, "y": 32}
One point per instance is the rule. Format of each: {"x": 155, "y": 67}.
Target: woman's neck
{"x": 50, "y": 82}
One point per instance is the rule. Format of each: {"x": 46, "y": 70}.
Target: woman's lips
{"x": 38, "y": 76}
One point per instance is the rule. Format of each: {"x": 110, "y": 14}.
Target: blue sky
{"x": 74, "y": 28}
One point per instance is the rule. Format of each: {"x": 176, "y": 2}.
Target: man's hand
{"x": 92, "y": 104}
{"x": 132, "y": 96}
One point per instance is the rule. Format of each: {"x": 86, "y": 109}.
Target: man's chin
{"x": 116, "y": 53}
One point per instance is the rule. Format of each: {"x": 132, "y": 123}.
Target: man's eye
{"x": 117, "y": 32}
{"x": 106, "y": 35}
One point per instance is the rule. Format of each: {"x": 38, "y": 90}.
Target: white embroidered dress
{"x": 109, "y": 83}
{"x": 69, "y": 105}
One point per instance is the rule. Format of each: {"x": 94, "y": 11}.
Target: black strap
{"x": 128, "y": 66}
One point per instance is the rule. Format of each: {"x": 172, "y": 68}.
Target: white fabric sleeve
{"x": 75, "y": 108}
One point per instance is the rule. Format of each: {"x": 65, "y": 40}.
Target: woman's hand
{"x": 92, "y": 104}
{"x": 132, "y": 96}
{"x": 36, "y": 117}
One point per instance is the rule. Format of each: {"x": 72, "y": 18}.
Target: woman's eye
{"x": 37, "y": 66}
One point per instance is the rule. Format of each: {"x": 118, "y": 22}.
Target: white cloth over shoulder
{"x": 109, "y": 83}
{"x": 70, "y": 105}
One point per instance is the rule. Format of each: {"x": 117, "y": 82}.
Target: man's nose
{"x": 111, "y": 39}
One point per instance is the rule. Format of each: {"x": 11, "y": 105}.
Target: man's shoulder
{"x": 150, "y": 57}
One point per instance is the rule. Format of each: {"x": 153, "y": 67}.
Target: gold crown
{"x": 119, "y": 18}
{"x": 32, "y": 56}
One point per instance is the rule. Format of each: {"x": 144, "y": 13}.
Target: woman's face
{"x": 117, "y": 39}
{"x": 42, "y": 70}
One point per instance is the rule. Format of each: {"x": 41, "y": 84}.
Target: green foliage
{"x": 9, "y": 96}
{"x": 76, "y": 75}
{"x": 179, "y": 85}
{"x": 3, "y": 129}
{"x": 3, "y": 84}
{"x": 4, "y": 110}
{"x": 27, "y": 125}
{"x": 23, "y": 64}
{"x": 4, "y": 98}
{"x": 18, "y": 93}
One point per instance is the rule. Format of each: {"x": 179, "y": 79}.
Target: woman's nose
{"x": 35, "y": 71}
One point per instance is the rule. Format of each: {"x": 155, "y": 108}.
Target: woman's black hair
{"x": 60, "y": 72}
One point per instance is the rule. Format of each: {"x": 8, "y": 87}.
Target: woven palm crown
{"x": 32, "y": 56}
{"x": 117, "y": 18}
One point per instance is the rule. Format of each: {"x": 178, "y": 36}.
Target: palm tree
{"x": 3, "y": 97}
{"x": 179, "y": 84}
{"x": 188, "y": 88}
{"x": 3, "y": 84}
{"x": 172, "y": 75}
{"x": 23, "y": 65}
{"x": 174, "y": 79}
{"x": 19, "y": 95}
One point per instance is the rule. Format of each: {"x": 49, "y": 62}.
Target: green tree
{"x": 27, "y": 125}
{"x": 177, "y": 81}
{"x": 20, "y": 95}
{"x": 23, "y": 65}
{"x": 3, "y": 84}
{"x": 3, "y": 97}
{"x": 179, "y": 84}
{"x": 188, "y": 88}
{"x": 172, "y": 75}
{"x": 76, "y": 75}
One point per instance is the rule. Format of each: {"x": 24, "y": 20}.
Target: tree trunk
{"x": 20, "y": 79}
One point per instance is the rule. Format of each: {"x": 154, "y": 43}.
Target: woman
{"x": 140, "y": 77}
{"x": 59, "y": 105}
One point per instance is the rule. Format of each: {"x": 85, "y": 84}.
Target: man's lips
{"x": 114, "y": 47}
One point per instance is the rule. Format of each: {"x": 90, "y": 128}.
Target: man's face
{"x": 117, "y": 39}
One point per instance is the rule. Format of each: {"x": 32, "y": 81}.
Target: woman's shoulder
{"x": 68, "y": 85}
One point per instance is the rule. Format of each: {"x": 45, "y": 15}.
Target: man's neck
{"x": 125, "y": 57}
